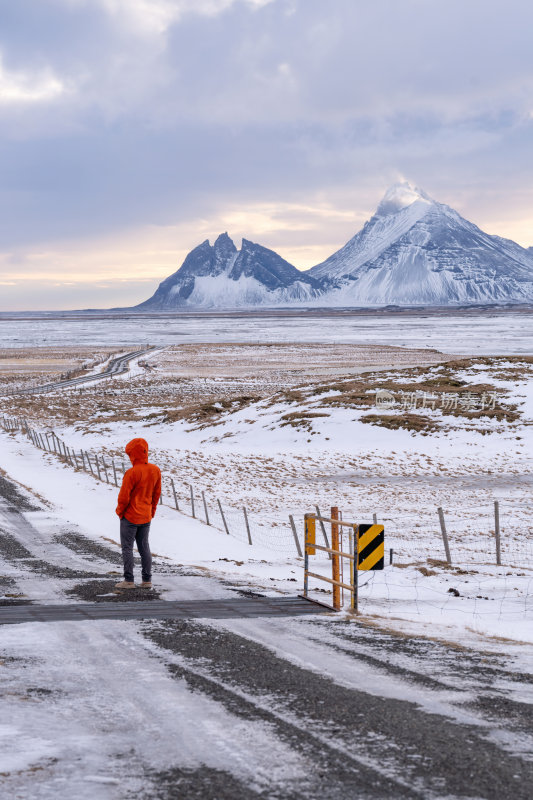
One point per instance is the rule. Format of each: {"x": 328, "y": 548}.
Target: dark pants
{"x": 130, "y": 533}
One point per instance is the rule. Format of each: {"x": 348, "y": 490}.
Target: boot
{"x": 146, "y": 585}
{"x": 125, "y": 585}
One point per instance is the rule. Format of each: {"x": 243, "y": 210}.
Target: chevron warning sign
{"x": 371, "y": 547}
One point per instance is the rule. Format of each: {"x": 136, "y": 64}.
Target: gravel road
{"x": 315, "y": 707}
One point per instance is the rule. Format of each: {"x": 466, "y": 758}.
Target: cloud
{"x": 118, "y": 115}
{"x": 21, "y": 87}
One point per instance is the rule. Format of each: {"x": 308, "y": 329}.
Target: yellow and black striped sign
{"x": 371, "y": 547}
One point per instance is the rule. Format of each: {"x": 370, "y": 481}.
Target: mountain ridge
{"x": 412, "y": 251}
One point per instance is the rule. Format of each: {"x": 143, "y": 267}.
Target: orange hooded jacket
{"x": 141, "y": 486}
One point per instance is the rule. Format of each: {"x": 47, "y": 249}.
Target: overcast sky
{"x": 131, "y": 130}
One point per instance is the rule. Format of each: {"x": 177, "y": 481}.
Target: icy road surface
{"x": 243, "y": 708}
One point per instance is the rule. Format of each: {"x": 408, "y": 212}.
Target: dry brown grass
{"x": 409, "y": 422}
{"x": 300, "y": 419}
{"x": 204, "y": 401}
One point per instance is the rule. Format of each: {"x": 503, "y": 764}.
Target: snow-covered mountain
{"x": 220, "y": 276}
{"x": 415, "y": 251}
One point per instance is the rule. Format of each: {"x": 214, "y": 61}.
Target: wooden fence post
{"x": 114, "y": 471}
{"x": 247, "y": 526}
{"x": 294, "y": 533}
{"x": 497, "y": 532}
{"x": 335, "y": 561}
{"x": 192, "y": 500}
{"x": 175, "y": 495}
{"x": 205, "y": 508}
{"x": 223, "y": 517}
{"x": 444, "y": 535}
{"x": 98, "y": 468}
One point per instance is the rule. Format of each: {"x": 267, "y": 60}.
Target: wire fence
{"x": 472, "y": 565}
{"x": 500, "y": 533}
{"x": 187, "y": 499}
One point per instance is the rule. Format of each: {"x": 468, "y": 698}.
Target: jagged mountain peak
{"x": 399, "y": 196}
{"x": 223, "y": 240}
{"x": 219, "y": 275}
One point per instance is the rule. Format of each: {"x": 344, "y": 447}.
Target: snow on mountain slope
{"x": 416, "y": 251}
{"x": 394, "y": 217}
{"x": 219, "y": 291}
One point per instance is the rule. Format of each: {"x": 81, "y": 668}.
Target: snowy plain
{"x": 472, "y": 332}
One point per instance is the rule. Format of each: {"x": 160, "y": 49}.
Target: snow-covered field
{"x": 281, "y": 442}
{"x": 469, "y": 332}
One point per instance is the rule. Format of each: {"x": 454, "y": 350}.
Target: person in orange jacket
{"x": 137, "y": 504}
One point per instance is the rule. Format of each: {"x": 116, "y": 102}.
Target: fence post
{"x": 175, "y": 495}
{"x": 296, "y": 542}
{"x": 247, "y": 526}
{"x": 444, "y": 535}
{"x": 105, "y": 470}
{"x": 114, "y": 471}
{"x": 205, "y": 508}
{"x": 98, "y": 468}
{"x": 335, "y": 563}
{"x": 375, "y": 518}
{"x": 497, "y": 532}
{"x": 222, "y": 515}
{"x": 192, "y": 500}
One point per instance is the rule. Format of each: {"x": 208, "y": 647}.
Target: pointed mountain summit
{"x": 416, "y": 251}
{"x": 220, "y": 276}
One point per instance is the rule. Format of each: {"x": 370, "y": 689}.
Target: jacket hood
{"x": 137, "y": 450}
